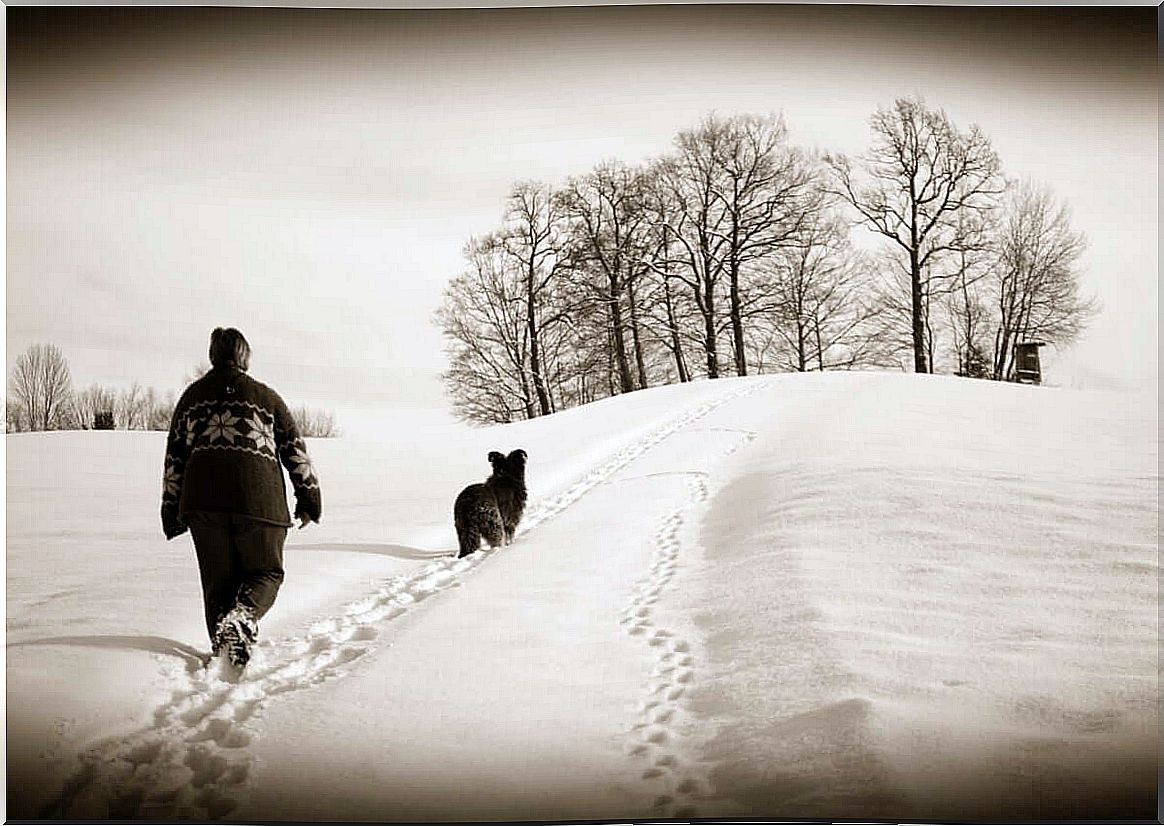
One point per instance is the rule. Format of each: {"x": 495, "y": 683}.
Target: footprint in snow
{"x": 655, "y": 733}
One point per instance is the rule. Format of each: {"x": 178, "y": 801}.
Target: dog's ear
{"x": 518, "y": 456}
{"x": 494, "y": 456}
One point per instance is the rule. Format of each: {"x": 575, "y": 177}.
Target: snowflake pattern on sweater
{"x": 218, "y": 425}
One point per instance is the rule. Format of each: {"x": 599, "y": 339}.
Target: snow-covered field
{"x": 861, "y": 595}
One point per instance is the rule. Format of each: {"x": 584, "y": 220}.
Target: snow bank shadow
{"x": 828, "y": 766}
{"x": 379, "y": 548}
{"x": 165, "y": 646}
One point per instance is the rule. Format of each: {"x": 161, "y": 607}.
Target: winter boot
{"x": 236, "y": 633}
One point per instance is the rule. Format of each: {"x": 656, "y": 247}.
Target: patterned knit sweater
{"x": 227, "y": 439}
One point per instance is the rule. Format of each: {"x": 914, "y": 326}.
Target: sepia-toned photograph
{"x": 606, "y": 413}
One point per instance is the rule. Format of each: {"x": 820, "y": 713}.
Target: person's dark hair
{"x": 228, "y": 348}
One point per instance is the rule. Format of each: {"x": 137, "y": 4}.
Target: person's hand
{"x": 172, "y": 526}
{"x": 304, "y": 520}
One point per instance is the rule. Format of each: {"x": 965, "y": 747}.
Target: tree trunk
{"x": 535, "y": 358}
{"x": 709, "y": 344}
{"x": 1003, "y": 339}
{"x": 673, "y": 327}
{"x": 919, "y": 325}
{"x": 611, "y": 361}
{"x": 539, "y": 381}
{"x": 801, "y": 356}
{"x": 530, "y": 413}
{"x": 1000, "y": 343}
{"x": 636, "y": 338}
{"x": 709, "y": 336}
{"x": 929, "y": 328}
{"x": 737, "y": 322}
{"x": 672, "y": 324}
{"x": 626, "y": 382}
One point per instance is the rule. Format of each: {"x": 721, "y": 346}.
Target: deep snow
{"x": 860, "y": 595}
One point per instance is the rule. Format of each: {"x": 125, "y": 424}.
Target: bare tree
{"x": 41, "y": 386}
{"x": 610, "y": 230}
{"x": 159, "y": 410}
{"x": 696, "y": 226}
{"x": 668, "y": 316}
{"x": 965, "y": 300}
{"x": 919, "y": 175}
{"x": 731, "y": 195}
{"x": 820, "y": 314}
{"x": 477, "y": 397}
{"x": 672, "y": 303}
{"x": 1035, "y": 281}
{"x": 890, "y": 295}
{"x": 534, "y": 238}
{"x": 768, "y": 194}
{"x": 582, "y": 364}
{"x": 132, "y": 408}
{"x": 483, "y": 318}
{"x": 313, "y": 423}
{"x": 92, "y": 403}
{"x": 15, "y": 417}
{"x": 508, "y": 315}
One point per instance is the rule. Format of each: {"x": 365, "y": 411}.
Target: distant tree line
{"x": 734, "y": 254}
{"x": 41, "y": 396}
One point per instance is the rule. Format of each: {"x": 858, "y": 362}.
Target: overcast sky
{"x": 310, "y": 176}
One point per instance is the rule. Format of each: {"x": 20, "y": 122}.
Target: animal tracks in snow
{"x": 541, "y": 511}
{"x": 192, "y": 761}
{"x": 654, "y": 737}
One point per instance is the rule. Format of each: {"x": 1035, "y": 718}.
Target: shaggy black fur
{"x": 492, "y": 509}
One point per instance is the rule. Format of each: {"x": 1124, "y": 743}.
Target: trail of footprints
{"x": 542, "y": 511}
{"x": 654, "y": 737}
{"x": 192, "y": 763}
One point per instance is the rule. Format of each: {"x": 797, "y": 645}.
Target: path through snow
{"x": 194, "y": 761}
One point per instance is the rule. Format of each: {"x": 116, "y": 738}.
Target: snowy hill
{"x": 861, "y": 595}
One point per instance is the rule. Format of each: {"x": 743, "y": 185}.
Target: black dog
{"x": 492, "y": 509}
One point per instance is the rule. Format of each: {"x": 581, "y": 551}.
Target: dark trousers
{"x": 240, "y": 560}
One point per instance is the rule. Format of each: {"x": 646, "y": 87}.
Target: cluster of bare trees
{"x": 633, "y": 276}
{"x": 973, "y": 258}
{"x": 317, "y": 424}
{"x": 107, "y": 408}
{"x": 41, "y": 397}
{"x": 735, "y": 252}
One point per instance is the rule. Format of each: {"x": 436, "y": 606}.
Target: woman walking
{"x": 223, "y": 480}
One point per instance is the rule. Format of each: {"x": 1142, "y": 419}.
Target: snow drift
{"x": 862, "y": 595}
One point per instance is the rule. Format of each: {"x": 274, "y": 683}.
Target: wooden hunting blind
{"x": 1026, "y": 362}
